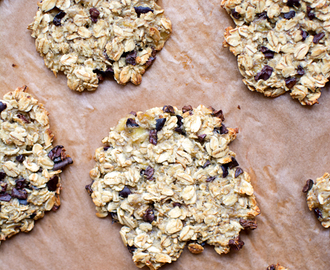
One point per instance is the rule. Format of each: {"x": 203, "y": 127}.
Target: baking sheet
{"x": 281, "y": 144}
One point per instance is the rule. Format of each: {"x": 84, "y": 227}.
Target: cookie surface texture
{"x": 169, "y": 177}
{"x": 89, "y": 40}
{"x": 318, "y": 198}
{"x": 281, "y": 46}
{"x": 29, "y": 164}
{"x": 276, "y": 267}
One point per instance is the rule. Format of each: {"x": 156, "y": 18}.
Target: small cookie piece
{"x": 89, "y": 40}
{"x": 276, "y": 267}
{"x": 281, "y": 46}
{"x": 318, "y": 198}
{"x": 169, "y": 177}
{"x": 29, "y": 165}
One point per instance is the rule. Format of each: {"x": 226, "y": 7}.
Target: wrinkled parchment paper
{"x": 281, "y": 144}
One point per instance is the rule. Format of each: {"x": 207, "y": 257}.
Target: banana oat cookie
{"x": 91, "y": 39}
{"x": 276, "y": 267}
{"x": 281, "y": 46}
{"x": 29, "y": 164}
{"x": 318, "y": 198}
{"x": 169, "y": 178}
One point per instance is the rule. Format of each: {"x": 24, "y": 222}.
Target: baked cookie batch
{"x": 166, "y": 175}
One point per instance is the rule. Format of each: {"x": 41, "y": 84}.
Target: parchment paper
{"x": 281, "y": 144}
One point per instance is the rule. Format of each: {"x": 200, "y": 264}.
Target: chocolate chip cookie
{"x": 169, "y": 177}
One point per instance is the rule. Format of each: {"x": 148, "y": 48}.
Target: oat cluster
{"x": 29, "y": 164}
{"x": 318, "y": 198}
{"x": 91, "y": 39}
{"x": 281, "y": 46}
{"x": 169, "y": 177}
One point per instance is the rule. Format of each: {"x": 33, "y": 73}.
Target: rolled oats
{"x": 290, "y": 39}
{"x": 89, "y": 40}
{"x": 169, "y": 178}
{"x": 29, "y": 184}
{"x": 318, "y": 198}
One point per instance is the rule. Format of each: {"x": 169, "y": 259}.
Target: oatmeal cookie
{"x": 276, "y": 267}
{"x": 281, "y": 46}
{"x": 169, "y": 178}
{"x": 29, "y": 164}
{"x": 91, "y": 39}
{"x": 318, "y": 198}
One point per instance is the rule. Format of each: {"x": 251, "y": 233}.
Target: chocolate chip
{"x": 290, "y": 82}
{"x": 153, "y": 136}
{"x": 269, "y": 54}
{"x": 310, "y": 13}
{"x": 304, "y": 34}
{"x": 248, "y": 224}
{"x": 223, "y": 129}
{"x": 201, "y": 138}
{"x": 89, "y": 188}
{"x": 207, "y": 163}
{"x": 168, "y": 109}
{"x": 264, "y": 74}
{"x": 219, "y": 114}
{"x": 62, "y": 164}
{"x": 318, "y": 37}
{"x": 130, "y": 58}
{"x": 55, "y": 207}
{"x": 58, "y": 17}
{"x": 33, "y": 215}
{"x": 131, "y": 249}
{"x": 21, "y": 183}
{"x": 142, "y": 10}
{"x": 211, "y": 178}
{"x": 94, "y": 14}
{"x": 3, "y": 106}
{"x": 2, "y": 175}
{"x": 224, "y": 171}
{"x": 187, "y": 108}
{"x": 3, "y": 187}
{"x": 235, "y": 14}
{"x": 52, "y": 183}
{"x": 308, "y": 186}
{"x": 5, "y": 197}
{"x": 300, "y": 70}
{"x": 23, "y": 117}
{"x": 236, "y": 243}
{"x": 160, "y": 123}
{"x": 149, "y": 172}
{"x": 292, "y": 3}
{"x": 271, "y": 267}
{"x": 131, "y": 123}
{"x": 20, "y": 158}
{"x": 289, "y": 15}
{"x": 262, "y": 15}
{"x": 23, "y": 202}
{"x": 180, "y": 128}
{"x": 125, "y": 192}
{"x": 103, "y": 74}
{"x": 106, "y": 148}
{"x": 57, "y": 154}
{"x": 233, "y": 163}
{"x": 149, "y": 215}
{"x": 238, "y": 172}
{"x": 318, "y": 212}
{"x": 176, "y": 204}
{"x": 19, "y": 194}
{"x": 114, "y": 217}
{"x": 150, "y": 60}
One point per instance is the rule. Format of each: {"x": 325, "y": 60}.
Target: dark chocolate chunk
{"x": 89, "y": 188}
{"x": 233, "y": 163}
{"x": 150, "y": 61}
{"x": 310, "y": 13}
{"x": 180, "y": 128}
{"x": 125, "y": 192}
{"x": 3, "y": 106}
{"x": 62, "y": 164}
{"x": 201, "y": 138}
{"x": 304, "y": 34}
{"x": 223, "y": 129}
{"x": 271, "y": 267}
{"x": 23, "y": 202}
{"x": 168, "y": 109}
{"x": 130, "y": 58}
{"x": 23, "y": 117}
{"x": 57, "y": 154}
{"x": 290, "y": 82}
{"x": 149, "y": 172}
{"x": 207, "y": 163}
{"x": 176, "y": 204}
{"x": 211, "y": 178}
{"x": 238, "y": 172}
{"x": 219, "y": 114}
{"x": 33, "y": 215}
{"x": 21, "y": 183}
{"x": 224, "y": 171}
{"x": 187, "y": 108}
{"x": 318, "y": 212}
{"x": 58, "y": 17}
{"x": 235, "y": 14}
{"x": 269, "y": 54}
{"x": 149, "y": 216}
{"x": 131, "y": 123}
{"x": 318, "y": 37}
{"x": 300, "y": 70}
{"x": 131, "y": 249}
{"x": 142, "y": 10}
{"x": 55, "y": 207}
{"x": 262, "y": 15}
{"x": 52, "y": 183}
{"x": 106, "y": 148}
{"x": 293, "y": 3}
{"x": 308, "y": 186}
{"x": 19, "y": 194}
{"x": 289, "y": 15}
{"x": 103, "y": 74}
{"x": 2, "y": 175}
{"x": 5, "y": 197}
{"x": 236, "y": 243}
{"x": 94, "y": 14}
{"x": 160, "y": 123}
{"x": 20, "y": 158}
{"x": 248, "y": 224}
{"x": 153, "y": 136}
{"x": 264, "y": 74}
{"x": 3, "y": 187}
